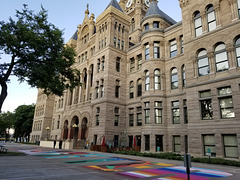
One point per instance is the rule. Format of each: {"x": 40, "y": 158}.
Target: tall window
{"x": 175, "y": 112}
{"x": 147, "y": 81}
{"x": 131, "y": 116}
{"x": 139, "y": 116}
{"x": 156, "y": 50}
{"x": 173, "y": 48}
{"x": 97, "y": 116}
{"x": 131, "y": 90}
{"x": 97, "y": 89}
{"x": 209, "y": 143}
{"x": 116, "y": 118}
{"x": 211, "y": 19}
{"x": 206, "y": 105}
{"x": 177, "y": 144}
{"x": 98, "y": 66}
{"x": 237, "y": 49}
{"x": 238, "y": 3}
{"x": 103, "y": 63}
{"x": 102, "y": 88}
{"x": 147, "y": 56}
{"x": 118, "y": 64}
{"x": 122, "y": 46}
{"x": 147, "y": 142}
{"x": 226, "y": 102}
{"x": 157, "y": 80}
{"x": 197, "y": 24}
{"x": 133, "y": 24}
{"x": 230, "y": 146}
{"x": 115, "y": 42}
{"x": 139, "y": 88}
{"x": 146, "y": 26}
{"x": 221, "y": 57}
{"x": 147, "y": 112}
{"x": 155, "y": 24}
{"x": 183, "y": 76}
{"x": 185, "y": 111}
{"x": 139, "y": 58}
{"x": 117, "y": 88}
{"x": 132, "y": 65}
{"x": 181, "y": 40}
{"x": 158, "y": 112}
{"x": 174, "y": 79}
{"x": 119, "y": 43}
{"x": 203, "y": 63}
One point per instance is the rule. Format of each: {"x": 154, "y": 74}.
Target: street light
{"x": 74, "y": 126}
{"x": 47, "y": 128}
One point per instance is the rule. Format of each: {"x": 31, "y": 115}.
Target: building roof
{"x": 75, "y": 35}
{"x": 154, "y": 10}
{"x": 115, "y": 4}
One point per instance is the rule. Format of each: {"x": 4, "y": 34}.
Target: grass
{"x": 179, "y": 157}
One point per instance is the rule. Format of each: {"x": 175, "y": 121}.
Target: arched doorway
{"x": 65, "y": 130}
{"x": 75, "y": 129}
{"x": 84, "y": 128}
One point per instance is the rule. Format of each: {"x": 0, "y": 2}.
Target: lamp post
{"x": 47, "y": 128}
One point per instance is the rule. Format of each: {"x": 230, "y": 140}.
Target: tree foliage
{"x": 23, "y": 120}
{"x": 6, "y": 122}
{"x": 38, "y": 54}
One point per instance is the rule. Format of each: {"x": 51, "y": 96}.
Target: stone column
{"x": 231, "y": 58}
{"x": 204, "y": 22}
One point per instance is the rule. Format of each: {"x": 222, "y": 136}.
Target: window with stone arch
{"x": 237, "y": 50}
{"x": 147, "y": 81}
{"x": 221, "y": 58}
{"x": 211, "y": 17}
{"x": 197, "y": 23}
{"x": 174, "y": 78}
{"x": 157, "y": 79}
{"x": 203, "y": 63}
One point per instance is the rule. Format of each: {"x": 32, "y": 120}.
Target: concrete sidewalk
{"x": 46, "y": 163}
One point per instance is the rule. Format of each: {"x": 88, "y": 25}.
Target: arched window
{"x": 237, "y": 49}
{"x": 174, "y": 79}
{"x": 147, "y": 81}
{"x": 183, "y": 76}
{"x": 211, "y": 18}
{"x": 203, "y": 63}
{"x": 133, "y": 24}
{"x": 221, "y": 57}
{"x": 157, "y": 80}
{"x": 131, "y": 90}
{"x": 139, "y": 87}
{"x": 197, "y": 24}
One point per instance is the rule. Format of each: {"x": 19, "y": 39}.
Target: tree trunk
{"x": 3, "y": 94}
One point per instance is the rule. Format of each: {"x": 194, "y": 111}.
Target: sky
{"x": 66, "y": 15}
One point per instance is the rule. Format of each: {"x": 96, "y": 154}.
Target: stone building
{"x": 147, "y": 80}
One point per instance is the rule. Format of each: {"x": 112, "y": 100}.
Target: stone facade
{"x": 173, "y": 87}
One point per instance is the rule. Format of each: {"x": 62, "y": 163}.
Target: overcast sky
{"x": 66, "y": 15}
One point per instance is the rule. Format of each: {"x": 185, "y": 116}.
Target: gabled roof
{"x": 154, "y": 10}
{"x": 115, "y": 4}
{"x": 75, "y": 35}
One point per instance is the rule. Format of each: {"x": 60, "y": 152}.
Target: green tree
{"x": 6, "y": 122}
{"x": 37, "y": 54}
{"x": 23, "y": 120}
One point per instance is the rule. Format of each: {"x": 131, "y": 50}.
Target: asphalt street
{"x": 46, "y": 163}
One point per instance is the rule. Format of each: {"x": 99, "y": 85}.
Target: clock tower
{"x": 136, "y": 9}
